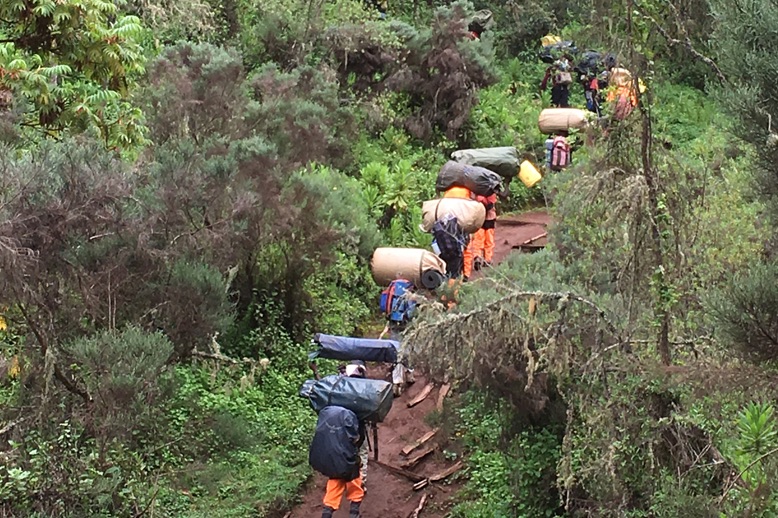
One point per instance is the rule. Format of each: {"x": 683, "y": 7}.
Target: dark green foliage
{"x": 744, "y": 309}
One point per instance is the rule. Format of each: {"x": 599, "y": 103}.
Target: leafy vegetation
{"x": 189, "y": 190}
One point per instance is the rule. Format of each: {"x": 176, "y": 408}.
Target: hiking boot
{"x": 327, "y": 512}
{"x": 353, "y": 511}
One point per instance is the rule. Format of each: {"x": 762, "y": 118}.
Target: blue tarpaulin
{"x": 347, "y": 349}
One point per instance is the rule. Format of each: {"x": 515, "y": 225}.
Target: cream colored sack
{"x": 469, "y": 213}
{"x": 388, "y": 264}
{"x": 552, "y": 120}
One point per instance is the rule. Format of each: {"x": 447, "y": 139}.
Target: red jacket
{"x": 490, "y": 205}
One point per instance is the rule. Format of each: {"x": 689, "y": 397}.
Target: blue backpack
{"x": 394, "y": 305}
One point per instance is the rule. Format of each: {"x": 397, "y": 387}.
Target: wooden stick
{"x": 375, "y": 441}
{"x": 410, "y": 463}
{"x": 422, "y": 395}
{"x": 424, "y": 438}
{"x": 530, "y": 240}
{"x": 415, "y": 513}
{"x": 442, "y": 395}
{"x": 447, "y": 472}
{"x": 421, "y": 485}
{"x": 413, "y": 477}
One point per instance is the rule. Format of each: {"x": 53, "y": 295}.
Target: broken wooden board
{"x": 415, "y": 513}
{"x": 447, "y": 472}
{"x": 422, "y": 395}
{"x": 413, "y": 477}
{"x": 442, "y": 395}
{"x": 424, "y": 438}
{"x": 410, "y": 463}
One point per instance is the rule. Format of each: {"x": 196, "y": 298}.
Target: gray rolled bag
{"x": 477, "y": 179}
{"x": 502, "y": 160}
{"x": 369, "y": 399}
{"x": 346, "y": 348}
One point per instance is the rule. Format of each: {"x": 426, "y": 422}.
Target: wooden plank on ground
{"x": 421, "y": 485}
{"x": 410, "y": 463}
{"x": 422, "y": 395}
{"x": 442, "y": 395}
{"x": 424, "y": 438}
{"x": 413, "y": 477}
{"x": 447, "y": 472}
{"x": 415, "y": 513}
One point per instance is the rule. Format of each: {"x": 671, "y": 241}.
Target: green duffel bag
{"x": 369, "y": 399}
{"x": 501, "y": 160}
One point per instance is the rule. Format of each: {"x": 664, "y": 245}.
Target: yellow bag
{"x": 549, "y": 39}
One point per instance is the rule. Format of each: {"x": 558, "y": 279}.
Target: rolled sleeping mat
{"x": 552, "y": 120}
{"x": 502, "y": 160}
{"x": 432, "y": 279}
{"x": 469, "y": 213}
{"x": 388, "y": 264}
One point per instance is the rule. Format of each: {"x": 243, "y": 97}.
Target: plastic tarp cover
{"x": 479, "y": 180}
{"x": 469, "y": 213}
{"x": 502, "y": 160}
{"x": 347, "y": 348}
{"x": 388, "y": 264}
{"x": 369, "y": 399}
{"x": 333, "y": 451}
{"x": 552, "y": 120}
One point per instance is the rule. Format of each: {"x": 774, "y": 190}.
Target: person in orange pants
{"x": 490, "y": 223}
{"x": 482, "y": 244}
{"x": 335, "y": 489}
{"x": 462, "y": 192}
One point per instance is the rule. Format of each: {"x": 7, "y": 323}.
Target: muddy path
{"x": 392, "y": 496}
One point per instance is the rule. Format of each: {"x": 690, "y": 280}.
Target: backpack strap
{"x": 436, "y": 209}
{"x": 390, "y": 298}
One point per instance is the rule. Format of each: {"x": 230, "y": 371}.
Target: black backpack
{"x": 333, "y": 451}
{"x": 590, "y": 63}
{"x": 449, "y": 236}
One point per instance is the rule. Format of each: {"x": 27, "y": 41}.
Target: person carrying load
{"x": 462, "y": 262}
{"x": 334, "y": 452}
{"x": 398, "y": 303}
{"x": 484, "y": 248}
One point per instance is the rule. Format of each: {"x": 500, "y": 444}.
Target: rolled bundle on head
{"x": 477, "y": 179}
{"x": 502, "y": 160}
{"x": 469, "y": 213}
{"x": 553, "y": 120}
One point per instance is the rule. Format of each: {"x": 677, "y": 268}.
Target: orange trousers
{"x": 336, "y": 488}
{"x": 488, "y": 244}
{"x": 474, "y": 249}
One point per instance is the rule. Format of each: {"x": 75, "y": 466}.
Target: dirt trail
{"x": 392, "y": 496}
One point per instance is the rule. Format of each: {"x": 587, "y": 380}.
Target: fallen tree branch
{"x": 442, "y": 395}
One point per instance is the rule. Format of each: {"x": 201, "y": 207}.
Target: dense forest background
{"x": 189, "y": 190}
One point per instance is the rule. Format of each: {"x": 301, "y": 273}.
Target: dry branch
{"x": 422, "y": 395}
{"x": 424, "y": 438}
